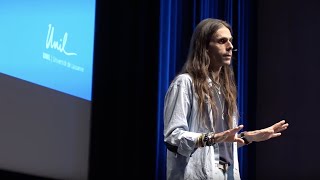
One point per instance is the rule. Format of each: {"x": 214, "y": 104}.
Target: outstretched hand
{"x": 228, "y": 135}
{"x": 267, "y": 133}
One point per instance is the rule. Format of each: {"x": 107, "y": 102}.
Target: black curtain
{"x": 124, "y": 90}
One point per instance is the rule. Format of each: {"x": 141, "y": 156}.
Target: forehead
{"x": 223, "y": 32}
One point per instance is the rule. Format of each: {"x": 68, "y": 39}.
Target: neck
{"x": 215, "y": 75}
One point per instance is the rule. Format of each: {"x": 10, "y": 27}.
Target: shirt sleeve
{"x": 177, "y": 108}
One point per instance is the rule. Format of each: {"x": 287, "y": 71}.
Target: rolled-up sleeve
{"x": 177, "y": 109}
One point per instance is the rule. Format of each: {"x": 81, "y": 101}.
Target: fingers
{"x": 229, "y": 135}
{"x": 282, "y": 121}
{"x": 236, "y": 129}
{"x": 278, "y": 124}
{"x": 275, "y": 135}
{"x": 231, "y": 131}
{"x": 281, "y": 128}
{"x": 239, "y": 140}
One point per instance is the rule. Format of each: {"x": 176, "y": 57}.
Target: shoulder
{"x": 182, "y": 80}
{"x": 183, "y": 83}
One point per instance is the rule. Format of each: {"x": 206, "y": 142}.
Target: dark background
{"x": 288, "y": 87}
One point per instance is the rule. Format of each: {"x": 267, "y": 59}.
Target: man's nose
{"x": 229, "y": 46}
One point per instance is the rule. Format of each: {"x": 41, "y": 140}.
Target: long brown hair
{"x": 197, "y": 66}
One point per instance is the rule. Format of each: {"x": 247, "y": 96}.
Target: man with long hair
{"x": 201, "y": 128}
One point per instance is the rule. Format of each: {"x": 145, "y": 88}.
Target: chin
{"x": 226, "y": 62}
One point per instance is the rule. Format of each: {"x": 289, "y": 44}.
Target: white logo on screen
{"x": 57, "y": 45}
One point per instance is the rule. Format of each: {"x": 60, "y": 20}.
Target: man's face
{"x": 220, "y": 47}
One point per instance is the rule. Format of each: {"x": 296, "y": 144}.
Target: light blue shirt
{"x": 182, "y": 127}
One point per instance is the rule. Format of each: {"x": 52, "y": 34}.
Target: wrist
{"x": 206, "y": 139}
{"x": 244, "y": 136}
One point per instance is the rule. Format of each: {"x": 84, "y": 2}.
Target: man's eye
{"x": 222, "y": 41}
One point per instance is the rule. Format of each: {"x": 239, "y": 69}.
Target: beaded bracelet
{"x": 211, "y": 139}
{"x": 206, "y": 139}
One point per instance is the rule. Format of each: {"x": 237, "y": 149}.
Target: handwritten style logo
{"x": 58, "y": 45}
